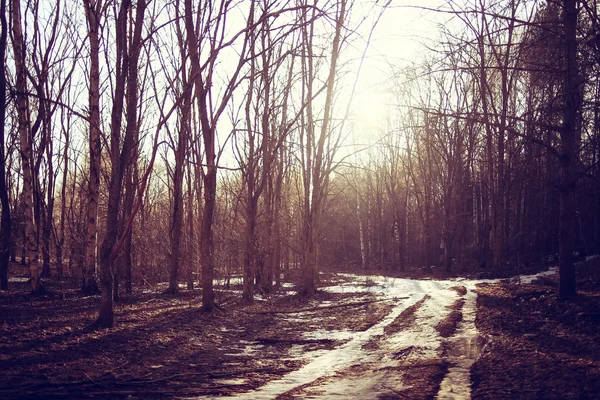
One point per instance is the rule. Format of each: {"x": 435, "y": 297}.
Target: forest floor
{"x": 537, "y": 346}
{"x": 361, "y": 337}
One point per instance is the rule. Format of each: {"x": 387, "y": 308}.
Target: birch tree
{"x": 94, "y": 13}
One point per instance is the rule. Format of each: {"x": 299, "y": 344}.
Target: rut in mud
{"x": 424, "y": 347}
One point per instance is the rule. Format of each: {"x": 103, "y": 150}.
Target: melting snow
{"x": 231, "y": 382}
{"x": 419, "y": 341}
{"x": 18, "y": 279}
{"x": 531, "y": 278}
{"x": 327, "y": 363}
{"x": 325, "y": 334}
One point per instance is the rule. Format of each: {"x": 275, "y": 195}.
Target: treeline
{"x": 493, "y": 158}
{"x": 190, "y": 141}
{"x": 490, "y": 157}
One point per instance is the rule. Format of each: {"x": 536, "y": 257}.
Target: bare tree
{"x": 94, "y": 12}
{"x": 126, "y": 88}
{"x": 262, "y": 140}
{"x": 5, "y": 221}
{"x": 60, "y": 234}
{"x": 180, "y": 149}
{"x": 317, "y": 157}
{"x": 25, "y": 136}
{"x": 570, "y": 136}
{"x": 212, "y": 36}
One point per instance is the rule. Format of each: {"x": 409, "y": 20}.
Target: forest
{"x": 183, "y": 167}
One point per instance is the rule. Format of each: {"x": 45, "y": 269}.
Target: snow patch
{"x": 18, "y": 279}
{"x": 325, "y": 334}
{"x": 327, "y": 363}
{"x": 531, "y": 278}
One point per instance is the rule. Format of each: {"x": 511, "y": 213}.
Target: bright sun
{"x": 398, "y": 41}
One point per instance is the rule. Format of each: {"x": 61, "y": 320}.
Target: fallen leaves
{"x": 539, "y": 346}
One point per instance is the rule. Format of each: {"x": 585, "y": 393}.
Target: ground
{"x": 539, "y": 347}
{"x": 363, "y": 341}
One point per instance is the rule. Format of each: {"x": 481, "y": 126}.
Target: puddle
{"x": 466, "y": 344}
{"x": 463, "y": 349}
{"x": 467, "y": 347}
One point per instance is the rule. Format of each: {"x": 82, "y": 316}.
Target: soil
{"x": 538, "y": 346}
{"x": 163, "y": 346}
{"x": 448, "y": 326}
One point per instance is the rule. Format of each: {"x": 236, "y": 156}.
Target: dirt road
{"x": 362, "y": 337}
{"x": 428, "y": 340}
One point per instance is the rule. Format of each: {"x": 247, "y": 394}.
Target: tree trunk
{"x": 130, "y": 189}
{"x": 93, "y": 13}
{"x": 190, "y": 253}
{"x": 127, "y": 71}
{"x": 250, "y": 249}
{"x": 210, "y": 176}
{"x": 206, "y": 242}
{"x": 569, "y": 152}
{"x": 5, "y": 221}
{"x": 60, "y": 242}
{"x": 317, "y": 166}
{"x": 249, "y": 172}
{"x": 177, "y": 215}
{"x": 277, "y": 222}
{"x": 31, "y": 242}
{"x": 46, "y": 232}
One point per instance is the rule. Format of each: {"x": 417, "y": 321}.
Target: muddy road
{"x": 362, "y": 337}
{"x": 426, "y": 342}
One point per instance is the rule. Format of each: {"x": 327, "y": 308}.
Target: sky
{"x": 399, "y": 37}
{"x": 399, "y": 40}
